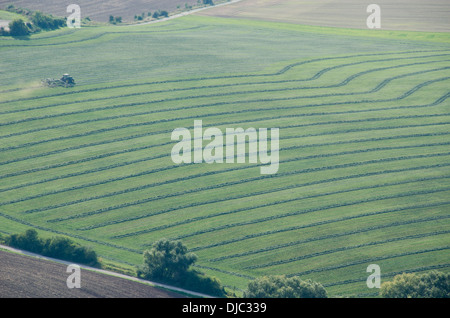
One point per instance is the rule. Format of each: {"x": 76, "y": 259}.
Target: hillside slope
{"x": 364, "y": 161}
{"x": 413, "y": 15}
{"x": 100, "y": 10}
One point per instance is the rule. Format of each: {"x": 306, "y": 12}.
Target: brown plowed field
{"x": 28, "y": 277}
{"x": 100, "y": 10}
{"x": 412, "y": 15}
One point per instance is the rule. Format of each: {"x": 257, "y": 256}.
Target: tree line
{"x": 171, "y": 262}
{"x": 38, "y": 21}
{"x": 57, "y": 247}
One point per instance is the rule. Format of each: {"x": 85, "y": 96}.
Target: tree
{"x": 47, "y": 22}
{"x": 280, "y": 286}
{"x": 18, "y": 28}
{"x": 28, "y": 241}
{"x": 111, "y": 19}
{"x": 429, "y": 285}
{"x": 167, "y": 260}
{"x": 3, "y": 32}
{"x": 210, "y": 2}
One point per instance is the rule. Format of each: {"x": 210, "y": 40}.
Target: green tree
{"x": 167, "y": 260}
{"x": 28, "y": 241}
{"x": 59, "y": 247}
{"x": 18, "y": 28}
{"x": 47, "y": 22}
{"x": 280, "y": 286}
{"x": 428, "y": 285}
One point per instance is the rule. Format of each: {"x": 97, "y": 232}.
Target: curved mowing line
{"x": 246, "y": 209}
{"x": 280, "y": 72}
{"x": 414, "y": 270}
{"x": 142, "y": 201}
{"x": 259, "y": 119}
{"x": 227, "y": 212}
{"x": 227, "y": 170}
{"x": 124, "y": 138}
{"x": 204, "y": 174}
{"x": 94, "y": 37}
{"x": 299, "y": 227}
{"x": 345, "y": 248}
{"x": 184, "y": 98}
{"x": 420, "y": 269}
{"x": 438, "y": 101}
{"x": 151, "y": 112}
{"x": 191, "y": 177}
{"x": 224, "y": 123}
{"x": 300, "y": 212}
{"x": 295, "y": 186}
{"x": 327, "y": 237}
{"x": 97, "y": 36}
{"x": 16, "y": 220}
{"x": 316, "y": 76}
{"x": 369, "y": 260}
{"x": 67, "y": 32}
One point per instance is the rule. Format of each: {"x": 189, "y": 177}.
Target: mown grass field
{"x": 364, "y": 136}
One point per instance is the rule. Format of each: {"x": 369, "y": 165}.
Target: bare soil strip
{"x": 23, "y": 276}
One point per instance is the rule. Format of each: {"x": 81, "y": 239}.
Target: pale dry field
{"x": 411, "y": 15}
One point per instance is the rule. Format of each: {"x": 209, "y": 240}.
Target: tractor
{"x": 65, "y": 81}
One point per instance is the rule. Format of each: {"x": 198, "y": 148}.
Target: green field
{"x": 364, "y": 172}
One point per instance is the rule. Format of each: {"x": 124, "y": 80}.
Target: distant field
{"x": 101, "y": 10}
{"x": 364, "y": 133}
{"x": 415, "y": 15}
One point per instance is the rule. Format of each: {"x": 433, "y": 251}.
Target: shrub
{"x": 18, "y": 28}
{"x": 283, "y": 287}
{"x": 28, "y": 241}
{"x": 169, "y": 261}
{"x": 47, "y": 22}
{"x": 3, "y": 32}
{"x": 57, "y": 247}
{"x": 429, "y": 285}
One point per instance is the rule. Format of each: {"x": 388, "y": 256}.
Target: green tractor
{"x": 65, "y": 81}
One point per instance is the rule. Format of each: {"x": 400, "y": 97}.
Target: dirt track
{"x": 412, "y": 15}
{"x": 27, "y": 277}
